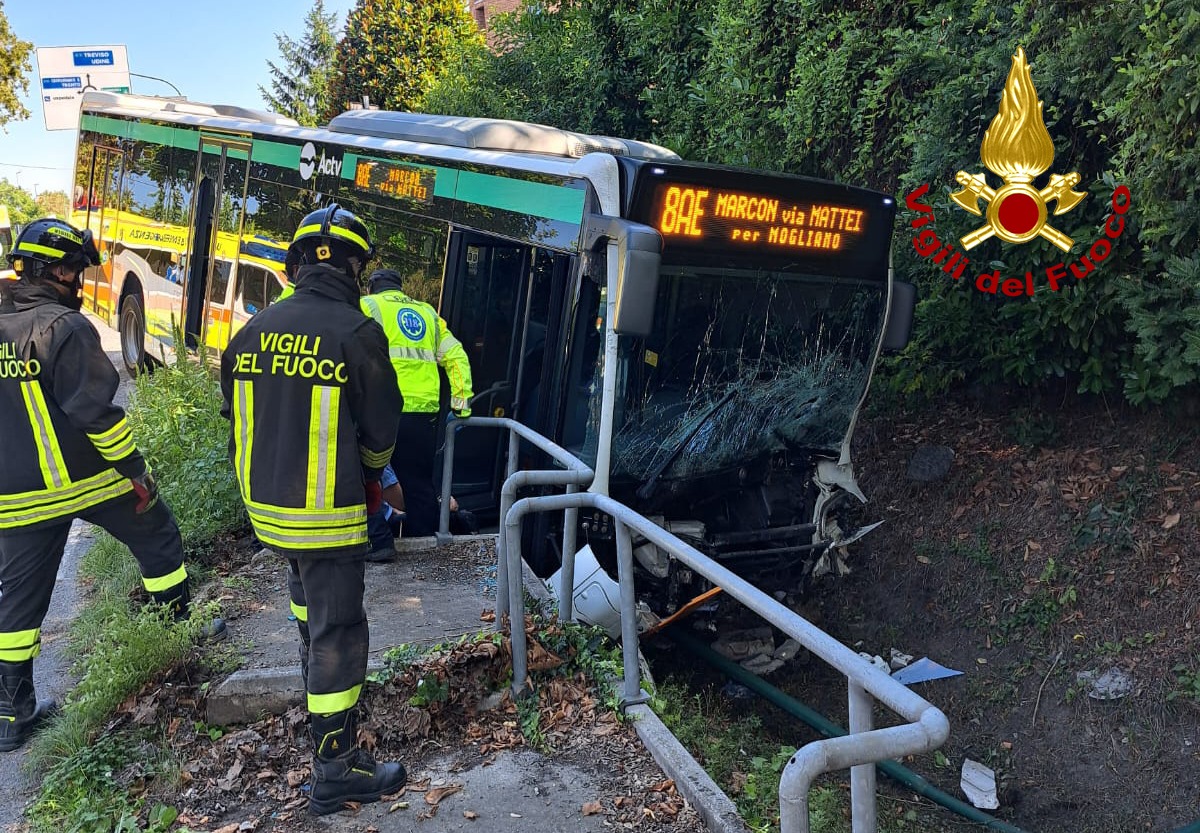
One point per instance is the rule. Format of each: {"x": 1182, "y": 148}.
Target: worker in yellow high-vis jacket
{"x": 68, "y": 453}
{"x": 313, "y": 403}
{"x": 419, "y": 343}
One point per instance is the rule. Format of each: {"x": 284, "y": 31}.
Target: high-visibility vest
{"x": 419, "y": 341}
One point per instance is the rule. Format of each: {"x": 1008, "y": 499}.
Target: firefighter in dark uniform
{"x": 68, "y": 453}
{"x": 314, "y": 404}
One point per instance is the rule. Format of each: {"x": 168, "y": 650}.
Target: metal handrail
{"x": 926, "y": 730}
{"x": 575, "y": 476}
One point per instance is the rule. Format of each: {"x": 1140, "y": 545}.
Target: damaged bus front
{"x": 734, "y": 413}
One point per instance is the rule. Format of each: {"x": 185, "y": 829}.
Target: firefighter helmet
{"x": 49, "y": 242}
{"x": 330, "y": 235}
{"x": 382, "y": 279}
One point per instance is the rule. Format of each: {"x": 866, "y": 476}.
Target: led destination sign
{"x": 716, "y": 216}
{"x": 395, "y": 179}
{"x": 754, "y": 220}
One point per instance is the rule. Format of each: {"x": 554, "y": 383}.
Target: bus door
{"x": 101, "y": 201}
{"x": 485, "y": 302}
{"x": 221, "y": 175}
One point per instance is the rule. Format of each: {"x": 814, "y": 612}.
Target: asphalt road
{"x": 52, "y": 672}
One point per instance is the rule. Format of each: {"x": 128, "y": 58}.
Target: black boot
{"x": 179, "y": 600}
{"x": 20, "y": 713}
{"x": 341, "y": 771}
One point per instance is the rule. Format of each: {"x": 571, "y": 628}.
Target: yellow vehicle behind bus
{"x": 6, "y": 242}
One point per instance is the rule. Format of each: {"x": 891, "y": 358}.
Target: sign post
{"x": 67, "y": 72}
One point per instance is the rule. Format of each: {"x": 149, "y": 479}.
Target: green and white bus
{"x": 703, "y": 336}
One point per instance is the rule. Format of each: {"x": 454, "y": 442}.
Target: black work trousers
{"x": 413, "y": 461}
{"x": 30, "y": 556}
{"x": 327, "y": 599}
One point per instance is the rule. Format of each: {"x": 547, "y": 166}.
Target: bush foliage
{"x": 176, "y": 419}
{"x": 893, "y": 95}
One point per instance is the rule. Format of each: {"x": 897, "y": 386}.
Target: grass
{"x": 90, "y": 777}
{"x": 733, "y": 746}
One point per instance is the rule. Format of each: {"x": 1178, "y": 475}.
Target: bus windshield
{"x": 741, "y": 365}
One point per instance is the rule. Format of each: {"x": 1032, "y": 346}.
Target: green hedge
{"x": 893, "y": 95}
{"x": 175, "y": 414}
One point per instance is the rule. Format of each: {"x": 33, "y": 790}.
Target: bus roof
{"x": 491, "y": 141}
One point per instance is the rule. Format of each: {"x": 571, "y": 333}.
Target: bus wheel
{"x": 132, "y": 327}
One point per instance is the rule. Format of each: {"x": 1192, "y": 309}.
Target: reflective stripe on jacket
{"x": 66, "y": 446}
{"x": 418, "y": 342}
{"x": 314, "y": 407}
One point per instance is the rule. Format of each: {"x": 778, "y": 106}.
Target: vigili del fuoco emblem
{"x": 1017, "y": 147}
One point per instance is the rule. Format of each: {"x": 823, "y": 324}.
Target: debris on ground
{"x": 922, "y": 671}
{"x": 930, "y": 463}
{"x": 453, "y": 698}
{"x": 737, "y": 691}
{"x": 877, "y": 661}
{"x": 1112, "y": 684}
{"x": 745, "y": 644}
{"x": 979, "y": 785}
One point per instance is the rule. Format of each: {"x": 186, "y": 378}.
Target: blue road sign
{"x": 68, "y": 82}
{"x": 93, "y": 58}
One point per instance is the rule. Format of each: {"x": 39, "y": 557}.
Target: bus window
{"x": 581, "y": 422}
{"x": 411, "y": 245}
{"x": 218, "y": 285}
{"x": 256, "y": 288}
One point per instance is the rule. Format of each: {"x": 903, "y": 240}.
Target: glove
{"x": 146, "y": 490}
{"x": 374, "y": 496}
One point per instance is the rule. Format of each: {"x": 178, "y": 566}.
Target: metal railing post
{"x": 443, "y": 532}
{"x": 516, "y": 606}
{"x": 566, "y": 589}
{"x": 863, "y": 809}
{"x": 506, "y": 502}
{"x": 629, "y": 634}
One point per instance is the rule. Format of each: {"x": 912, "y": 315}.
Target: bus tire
{"x": 132, "y": 329}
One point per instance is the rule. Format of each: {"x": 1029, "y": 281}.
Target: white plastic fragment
{"x": 900, "y": 660}
{"x": 979, "y": 785}
{"x": 876, "y": 660}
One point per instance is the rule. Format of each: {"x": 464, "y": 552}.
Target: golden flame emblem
{"x": 1017, "y": 148}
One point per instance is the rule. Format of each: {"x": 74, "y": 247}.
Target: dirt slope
{"x": 1059, "y": 543}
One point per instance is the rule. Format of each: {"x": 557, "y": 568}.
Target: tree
{"x": 21, "y": 207}
{"x": 14, "y": 63}
{"x": 54, "y": 202}
{"x": 300, "y": 82}
{"x": 394, "y": 50}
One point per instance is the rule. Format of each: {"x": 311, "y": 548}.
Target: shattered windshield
{"x": 740, "y": 365}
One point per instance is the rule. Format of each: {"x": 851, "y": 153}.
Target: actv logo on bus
{"x": 1018, "y": 149}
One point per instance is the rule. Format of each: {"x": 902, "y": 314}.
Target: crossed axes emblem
{"x": 1058, "y": 189}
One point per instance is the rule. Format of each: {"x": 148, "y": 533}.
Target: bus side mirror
{"x": 639, "y": 253}
{"x": 900, "y": 316}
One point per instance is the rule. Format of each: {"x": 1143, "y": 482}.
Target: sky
{"x": 215, "y": 52}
